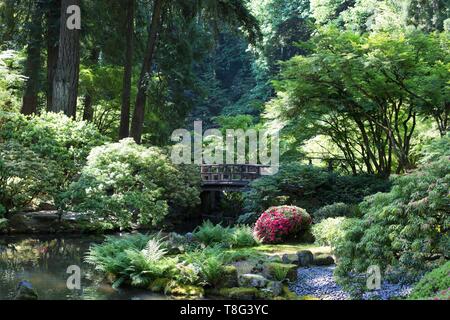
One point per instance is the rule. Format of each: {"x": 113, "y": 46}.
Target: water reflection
{"x": 44, "y": 261}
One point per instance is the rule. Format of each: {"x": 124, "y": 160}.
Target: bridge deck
{"x": 228, "y": 177}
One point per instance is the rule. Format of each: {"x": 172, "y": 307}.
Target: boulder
{"x": 290, "y": 258}
{"x": 229, "y": 278}
{"x": 305, "y": 258}
{"x": 25, "y": 291}
{"x": 250, "y": 280}
{"x": 323, "y": 260}
{"x": 275, "y": 287}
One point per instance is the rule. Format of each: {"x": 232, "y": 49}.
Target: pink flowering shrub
{"x": 277, "y": 224}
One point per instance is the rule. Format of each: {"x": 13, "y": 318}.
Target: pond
{"x": 43, "y": 261}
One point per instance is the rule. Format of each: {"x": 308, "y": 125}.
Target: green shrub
{"x": 242, "y": 236}
{"x": 310, "y": 188}
{"x": 47, "y": 150}
{"x": 210, "y": 234}
{"x": 405, "y": 229}
{"x": 11, "y": 81}
{"x": 330, "y": 231}
{"x": 53, "y": 136}
{"x": 127, "y": 183}
{"x": 334, "y": 210}
{"x": 137, "y": 258}
{"x": 25, "y": 177}
{"x": 210, "y": 262}
{"x": 433, "y": 283}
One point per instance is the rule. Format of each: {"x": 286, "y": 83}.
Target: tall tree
{"x": 124, "y": 130}
{"x": 53, "y": 11}
{"x": 216, "y": 13}
{"x": 33, "y": 63}
{"x": 65, "y": 83}
{"x": 144, "y": 78}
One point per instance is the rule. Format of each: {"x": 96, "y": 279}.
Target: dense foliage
{"x": 331, "y": 230}
{"x": 278, "y": 224}
{"x": 40, "y": 156}
{"x": 433, "y": 283}
{"x": 337, "y": 209}
{"x": 405, "y": 229}
{"x": 364, "y": 94}
{"x": 126, "y": 183}
{"x": 237, "y": 237}
{"x": 309, "y": 187}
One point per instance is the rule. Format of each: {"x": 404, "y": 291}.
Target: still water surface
{"x": 43, "y": 261}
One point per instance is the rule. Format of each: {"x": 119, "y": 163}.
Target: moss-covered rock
{"x": 229, "y": 277}
{"x": 183, "y": 290}
{"x": 305, "y": 258}
{"x": 275, "y": 287}
{"x": 323, "y": 260}
{"x": 159, "y": 285}
{"x": 253, "y": 280}
{"x": 240, "y": 293}
{"x": 280, "y": 271}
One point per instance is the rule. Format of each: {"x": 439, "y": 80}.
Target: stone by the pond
{"x": 240, "y": 293}
{"x": 275, "y": 287}
{"x": 229, "y": 277}
{"x": 305, "y": 258}
{"x": 323, "y": 260}
{"x": 25, "y": 291}
{"x": 289, "y": 258}
{"x": 275, "y": 270}
{"x": 252, "y": 280}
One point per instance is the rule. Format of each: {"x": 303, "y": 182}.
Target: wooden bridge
{"x": 218, "y": 179}
{"x": 229, "y": 177}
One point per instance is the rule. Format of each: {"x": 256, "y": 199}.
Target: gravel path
{"x": 319, "y": 282}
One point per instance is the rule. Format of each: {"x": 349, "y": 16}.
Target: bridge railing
{"x": 230, "y": 173}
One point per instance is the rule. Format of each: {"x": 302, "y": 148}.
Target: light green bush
{"x": 25, "y": 177}
{"x": 126, "y": 183}
{"x": 330, "y": 231}
{"x": 11, "y": 81}
{"x": 432, "y": 283}
{"x": 42, "y": 155}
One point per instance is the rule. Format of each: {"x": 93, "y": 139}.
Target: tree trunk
{"x": 144, "y": 79}
{"x": 53, "y": 14}
{"x": 65, "y": 83}
{"x": 124, "y": 130}
{"x": 88, "y": 112}
{"x": 33, "y": 63}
